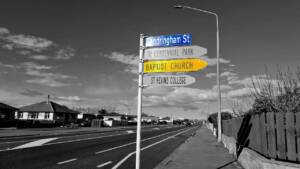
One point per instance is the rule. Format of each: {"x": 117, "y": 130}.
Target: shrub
{"x": 280, "y": 93}
{"x": 213, "y": 118}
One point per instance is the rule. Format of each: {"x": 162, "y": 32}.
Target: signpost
{"x": 185, "y": 59}
{"x": 169, "y": 40}
{"x": 174, "y": 52}
{"x": 178, "y": 65}
{"x": 168, "y": 80}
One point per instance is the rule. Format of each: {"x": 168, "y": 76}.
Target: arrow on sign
{"x": 178, "y": 65}
{"x": 174, "y": 52}
{"x": 168, "y": 80}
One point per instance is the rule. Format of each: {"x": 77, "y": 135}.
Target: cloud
{"x": 14, "y": 98}
{"x": 35, "y": 93}
{"x": 24, "y": 52}
{"x": 34, "y": 66}
{"x": 3, "y": 73}
{"x": 28, "y": 44}
{"x": 39, "y": 57}
{"x": 21, "y": 41}
{"x": 186, "y": 98}
{"x": 69, "y": 98}
{"x": 213, "y": 61}
{"x": 65, "y": 53}
{"x": 4, "y": 31}
{"x": 9, "y": 66}
{"x": 157, "y": 90}
{"x": 232, "y": 79}
{"x": 223, "y": 74}
{"x": 227, "y": 74}
{"x": 48, "y": 81}
{"x": 130, "y": 60}
{"x": 242, "y": 92}
{"x": 101, "y": 90}
{"x": 247, "y": 80}
{"x": 32, "y": 93}
{"x": 222, "y": 87}
{"x": 44, "y": 78}
{"x": 209, "y": 75}
{"x": 8, "y": 46}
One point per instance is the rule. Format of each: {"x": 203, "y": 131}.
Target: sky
{"x": 85, "y": 53}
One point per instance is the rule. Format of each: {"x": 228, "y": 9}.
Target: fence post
{"x": 298, "y": 133}
{"x": 290, "y": 136}
{"x": 263, "y": 134}
{"x": 271, "y": 135}
{"x": 281, "y": 151}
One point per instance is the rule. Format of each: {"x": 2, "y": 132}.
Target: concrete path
{"x": 200, "y": 152}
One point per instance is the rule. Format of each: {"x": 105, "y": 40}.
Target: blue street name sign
{"x": 169, "y": 40}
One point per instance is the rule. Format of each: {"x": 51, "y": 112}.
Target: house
{"x": 113, "y": 119}
{"x": 132, "y": 119}
{"x": 7, "y": 115}
{"x": 166, "y": 120}
{"x": 85, "y": 119}
{"x": 113, "y": 116}
{"x": 46, "y": 112}
{"x": 150, "y": 120}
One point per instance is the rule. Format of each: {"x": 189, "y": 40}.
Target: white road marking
{"x": 35, "y": 143}
{"x": 104, "y": 164}
{"x": 67, "y": 161}
{"x": 84, "y": 139}
{"x": 76, "y": 140}
{"x": 20, "y": 141}
{"x": 144, "y": 148}
{"x": 103, "y": 151}
{"x": 128, "y": 144}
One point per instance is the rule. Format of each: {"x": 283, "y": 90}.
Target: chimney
{"x": 48, "y": 99}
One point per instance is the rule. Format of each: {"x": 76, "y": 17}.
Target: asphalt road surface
{"x": 114, "y": 149}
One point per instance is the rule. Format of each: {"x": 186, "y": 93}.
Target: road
{"x": 114, "y": 149}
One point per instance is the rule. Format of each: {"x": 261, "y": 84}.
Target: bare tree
{"x": 279, "y": 93}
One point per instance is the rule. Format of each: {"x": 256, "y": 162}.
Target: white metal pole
{"x": 218, "y": 64}
{"x": 139, "y": 108}
{"x": 218, "y": 82}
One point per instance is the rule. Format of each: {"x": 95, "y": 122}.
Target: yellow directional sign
{"x": 178, "y": 65}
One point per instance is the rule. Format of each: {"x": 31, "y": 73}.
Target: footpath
{"x": 201, "y": 151}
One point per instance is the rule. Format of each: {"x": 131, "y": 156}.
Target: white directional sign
{"x": 174, "y": 52}
{"x": 168, "y": 80}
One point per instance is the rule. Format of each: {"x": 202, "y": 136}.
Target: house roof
{"x": 47, "y": 107}
{"x": 5, "y": 106}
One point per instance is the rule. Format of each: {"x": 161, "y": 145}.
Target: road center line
{"x": 67, "y": 161}
{"x": 144, "y": 148}
{"x": 76, "y": 140}
{"x": 128, "y": 144}
{"x": 104, "y": 164}
{"x": 84, "y": 139}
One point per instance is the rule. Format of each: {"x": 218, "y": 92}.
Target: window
{"x": 2, "y": 116}
{"x": 33, "y": 115}
{"x": 47, "y": 115}
{"x": 20, "y": 115}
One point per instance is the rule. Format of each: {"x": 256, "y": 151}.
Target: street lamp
{"x": 218, "y": 62}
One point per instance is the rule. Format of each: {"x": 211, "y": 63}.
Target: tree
{"x": 102, "y": 112}
{"x": 213, "y": 118}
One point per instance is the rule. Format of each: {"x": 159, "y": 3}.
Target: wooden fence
{"x": 274, "y": 135}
